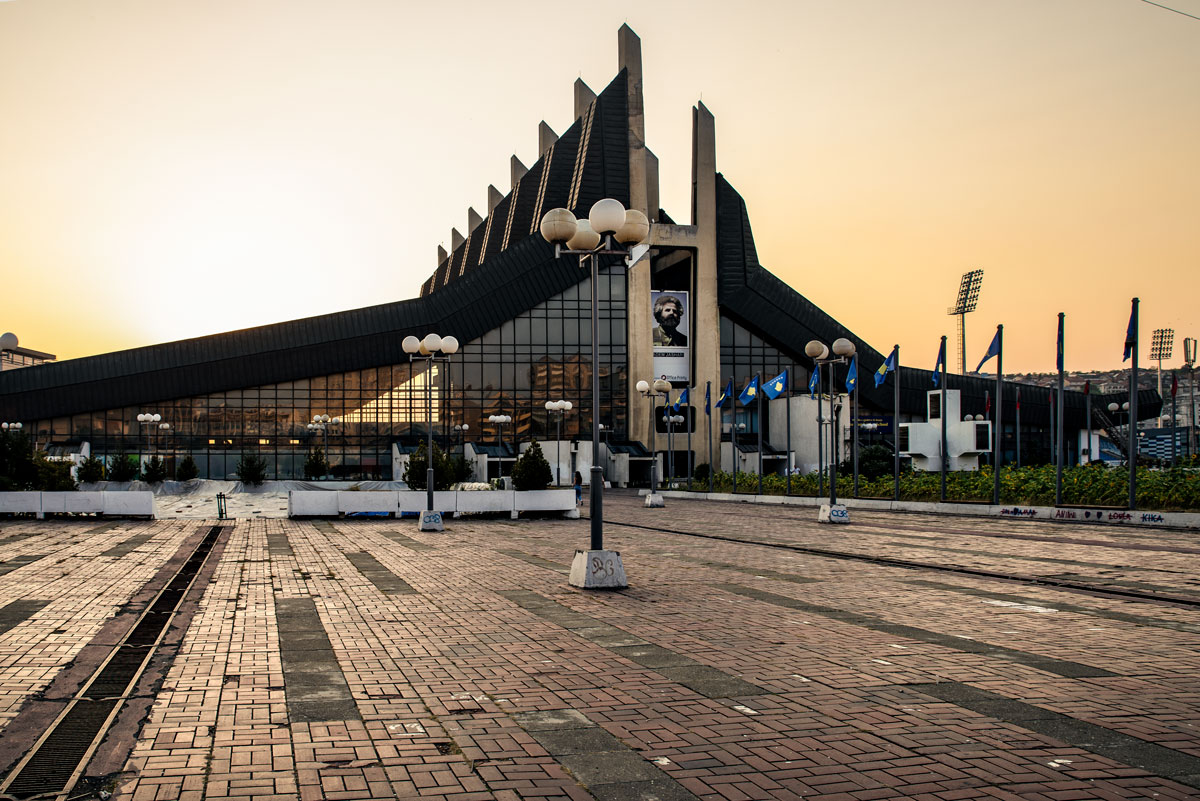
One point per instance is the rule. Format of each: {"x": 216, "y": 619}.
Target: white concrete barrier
{"x": 415, "y": 501}
{"x": 484, "y": 501}
{"x": 21, "y": 503}
{"x": 350, "y": 502}
{"x": 72, "y": 503}
{"x": 312, "y": 503}
{"x": 551, "y": 500}
{"x": 129, "y": 504}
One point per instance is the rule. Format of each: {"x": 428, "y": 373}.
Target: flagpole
{"x": 945, "y": 460}
{"x": 1058, "y": 432}
{"x": 708, "y": 413}
{"x": 854, "y": 426}
{"x": 896, "y": 427}
{"x": 758, "y": 396}
{"x": 833, "y": 435}
{"x": 1174, "y": 417}
{"x": 787, "y": 464}
{"x": 997, "y": 454}
{"x": 820, "y": 438}
{"x": 690, "y": 422}
{"x": 1133, "y": 411}
{"x": 1018, "y": 427}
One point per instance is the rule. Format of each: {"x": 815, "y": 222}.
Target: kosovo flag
{"x": 814, "y": 383}
{"x": 1058, "y": 362}
{"x": 750, "y": 393}
{"x": 725, "y": 395}
{"x": 852, "y": 375}
{"x": 777, "y": 385}
{"x": 888, "y": 366}
{"x": 681, "y": 400}
{"x": 1130, "y": 335}
{"x": 993, "y": 350}
{"x": 707, "y": 399}
{"x": 941, "y": 363}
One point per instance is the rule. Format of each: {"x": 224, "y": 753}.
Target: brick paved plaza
{"x": 361, "y": 659}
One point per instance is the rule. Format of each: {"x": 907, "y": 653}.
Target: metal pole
{"x": 708, "y": 413}
{"x": 596, "y": 498}
{"x": 1058, "y": 434}
{"x": 945, "y": 457}
{"x": 998, "y": 455}
{"x": 758, "y": 396}
{"x": 429, "y": 446}
{"x": 820, "y": 437}
{"x": 787, "y": 408}
{"x": 854, "y": 437}
{"x": 689, "y": 418}
{"x": 1018, "y": 427}
{"x": 896, "y": 427}
{"x": 670, "y": 437}
{"x": 1133, "y": 413}
{"x": 1192, "y": 410}
{"x": 733, "y": 441}
{"x": 834, "y": 416}
{"x": 558, "y": 452}
{"x": 1174, "y": 417}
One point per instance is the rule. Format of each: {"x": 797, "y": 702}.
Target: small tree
{"x": 122, "y": 467}
{"x": 156, "y": 470}
{"x": 252, "y": 469}
{"x": 16, "y": 462}
{"x": 52, "y": 476}
{"x": 532, "y": 471}
{"x": 444, "y": 473}
{"x": 315, "y": 464}
{"x": 187, "y": 469}
{"x": 90, "y": 470}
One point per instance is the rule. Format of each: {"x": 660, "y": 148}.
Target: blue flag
{"x": 941, "y": 364}
{"x": 750, "y": 393}
{"x": 814, "y": 383}
{"x": 777, "y": 385}
{"x": 1059, "y": 360}
{"x": 889, "y": 364}
{"x": 852, "y": 375}
{"x": 725, "y": 395}
{"x": 1130, "y": 335}
{"x": 681, "y": 400}
{"x": 993, "y": 350}
{"x": 707, "y": 399}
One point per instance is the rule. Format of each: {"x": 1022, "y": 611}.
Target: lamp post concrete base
{"x": 655, "y": 500}
{"x": 430, "y": 521}
{"x": 833, "y": 514}
{"x": 598, "y": 570}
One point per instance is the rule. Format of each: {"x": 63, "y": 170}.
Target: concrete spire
{"x": 442, "y": 255}
{"x": 473, "y": 219}
{"x": 706, "y": 320}
{"x": 494, "y": 198}
{"x": 516, "y": 170}
{"x": 652, "y": 195}
{"x": 629, "y": 58}
{"x": 546, "y": 138}
{"x": 456, "y": 239}
{"x": 584, "y": 97}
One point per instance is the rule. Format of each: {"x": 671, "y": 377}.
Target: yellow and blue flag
{"x": 852, "y": 375}
{"x": 888, "y": 366}
{"x": 941, "y": 363}
{"x": 1131, "y": 334}
{"x": 681, "y": 400}
{"x": 814, "y": 383}
{"x": 777, "y": 385}
{"x": 750, "y": 393}
{"x": 725, "y": 395}
{"x": 707, "y": 399}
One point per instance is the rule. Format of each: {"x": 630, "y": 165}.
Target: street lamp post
{"x": 559, "y": 408}
{"x": 1130, "y": 444}
{"x": 660, "y": 388}
{"x": 428, "y": 349}
{"x": 462, "y": 429}
{"x": 322, "y": 423}
{"x": 153, "y": 421}
{"x": 734, "y": 428}
{"x": 843, "y": 352}
{"x": 499, "y": 420}
{"x": 609, "y": 229}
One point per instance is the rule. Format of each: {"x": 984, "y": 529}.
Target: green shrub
{"x": 315, "y": 464}
{"x": 252, "y": 469}
{"x": 90, "y": 470}
{"x": 701, "y": 474}
{"x": 444, "y": 471}
{"x": 156, "y": 470}
{"x": 123, "y": 467}
{"x": 52, "y": 476}
{"x": 16, "y": 461}
{"x": 187, "y": 469}
{"x": 532, "y": 471}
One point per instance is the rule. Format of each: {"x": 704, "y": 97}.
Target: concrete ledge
{"x": 129, "y": 504}
{"x": 381, "y": 502}
{"x": 552, "y": 500}
{"x": 484, "y": 501}
{"x": 1144, "y": 518}
{"x": 116, "y": 504}
{"x": 312, "y": 503}
{"x": 73, "y": 503}
{"x": 21, "y": 503}
{"x": 416, "y": 501}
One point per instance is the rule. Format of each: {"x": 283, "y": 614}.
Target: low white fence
{"x": 335, "y": 503}
{"x": 111, "y": 504}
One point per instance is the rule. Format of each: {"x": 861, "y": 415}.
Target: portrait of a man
{"x": 669, "y": 312}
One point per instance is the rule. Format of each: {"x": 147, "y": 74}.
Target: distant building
{"x": 13, "y": 356}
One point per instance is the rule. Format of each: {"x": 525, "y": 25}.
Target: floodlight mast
{"x": 968, "y": 297}
{"x": 1160, "y": 349}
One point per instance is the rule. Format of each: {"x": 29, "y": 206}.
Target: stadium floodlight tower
{"x": 968, "y": 297}
{"x": 1160, "y": 349}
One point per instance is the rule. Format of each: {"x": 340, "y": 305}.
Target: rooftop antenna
{"x": 968, "y": 297}
{"x": 1160, "y": 349}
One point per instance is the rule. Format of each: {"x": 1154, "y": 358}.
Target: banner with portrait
{"x": 671, "y": 335}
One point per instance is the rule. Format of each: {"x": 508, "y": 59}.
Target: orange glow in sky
{"x": 173, "y": 169}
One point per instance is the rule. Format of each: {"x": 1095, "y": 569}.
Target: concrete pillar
{"x": 641, "y": 321}
{"x": 546, "y": 138}
{"x": 456, "y": 239}
{"x": 516, "y": 171}
{"x": 652, "y": 196}
{"x": 494, "y": 198}
{"x": 442, "y": 256}
{"x": 706, "y": 317}
{"x": 584, "y": 97}
{"x": 473, "y": 219}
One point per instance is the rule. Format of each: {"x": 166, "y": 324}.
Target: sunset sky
{"x": 172, "y": 169}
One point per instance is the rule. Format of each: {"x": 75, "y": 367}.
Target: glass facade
{"x": 743, "y": 354}
{"x": 543, "y": 354}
